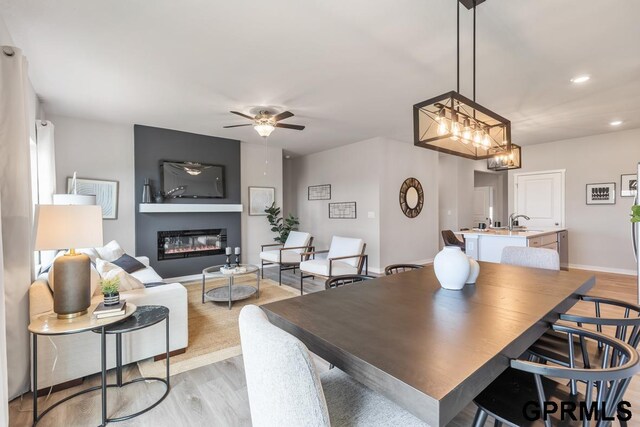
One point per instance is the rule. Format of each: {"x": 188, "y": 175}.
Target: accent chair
{"x": 287, "y": 257}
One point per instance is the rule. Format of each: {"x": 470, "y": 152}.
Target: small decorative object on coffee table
{"x": 231, "y": 292}
{"x": 237, "y": 252}
{"x": 109, "y": 288}
{"x": 228, "y": 251}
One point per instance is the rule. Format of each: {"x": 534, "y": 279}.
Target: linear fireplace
{"x": 191, "y": 243}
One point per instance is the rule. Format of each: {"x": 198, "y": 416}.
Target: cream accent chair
{"x": 531, "y": 257}
{"x": 288, "y": 256}
{"x": 344, "y": 256}
{"x": 285, "y": 389}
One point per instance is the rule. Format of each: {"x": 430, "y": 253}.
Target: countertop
{"x": 528, "y": 233}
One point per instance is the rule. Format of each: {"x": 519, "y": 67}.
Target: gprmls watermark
{"x": 576, "y": 411}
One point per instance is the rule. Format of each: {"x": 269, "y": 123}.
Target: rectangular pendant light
{"x": 507, "y": 160}
{"x": 453, "y": 124}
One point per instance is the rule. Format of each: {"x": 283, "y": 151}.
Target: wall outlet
{"x": 371, "y": 214}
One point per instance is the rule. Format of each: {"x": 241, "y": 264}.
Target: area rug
{"x": 213, "y": 328}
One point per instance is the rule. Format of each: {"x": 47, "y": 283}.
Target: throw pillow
{"x": 110, "y": 252}
{"x": 109, "y": 270}
{"x": 129, "y": 263}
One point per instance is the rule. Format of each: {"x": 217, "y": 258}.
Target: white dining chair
{"x": 286, "y": 390}
{"x": 531, "y": 257}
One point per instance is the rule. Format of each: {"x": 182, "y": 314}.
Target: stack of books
{"x": 103, "y": 311}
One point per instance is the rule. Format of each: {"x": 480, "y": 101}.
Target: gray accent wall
{"x": 151, "y": 147}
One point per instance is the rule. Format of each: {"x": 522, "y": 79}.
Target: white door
{"x": 540, "y": 196}
{"x": 482, "y": 205}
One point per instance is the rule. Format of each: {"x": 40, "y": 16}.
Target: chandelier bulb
{"x": 442, "y": 127}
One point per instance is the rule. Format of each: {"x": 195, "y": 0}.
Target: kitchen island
{"x": 487, "y": 245}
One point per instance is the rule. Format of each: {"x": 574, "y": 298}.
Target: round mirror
{"x": 411, "y": 197}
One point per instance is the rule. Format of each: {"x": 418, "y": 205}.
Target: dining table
{"x": 429, "y": 349}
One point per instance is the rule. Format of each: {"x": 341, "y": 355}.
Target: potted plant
{"x": 635, "y": 213}
{"x": 281, "y": 226}
{"x": 109, "y": 288}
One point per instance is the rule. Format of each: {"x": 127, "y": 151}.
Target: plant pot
{"x": 452, "y": 267}
{"x": 112, "y": 299}
{"x": 474, "y": 271}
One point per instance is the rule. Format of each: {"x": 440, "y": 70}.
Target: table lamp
{"x": 69, "y": 227}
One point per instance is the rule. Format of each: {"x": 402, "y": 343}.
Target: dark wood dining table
{"x": 429, "y": 349}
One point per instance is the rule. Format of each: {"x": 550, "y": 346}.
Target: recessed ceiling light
{"x": 287, "y": 156}
{"x": 580, "y": 79}
{"x": 615, "y": 123}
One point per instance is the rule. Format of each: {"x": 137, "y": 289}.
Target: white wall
{"x": 104, "y": 151}
{"x": 371, "y": 173}
{"x": 256, "y": 229}
{"x": 497, "y": 181}
{"x": 455, "y": 192}
{"x": 599, "y": 236}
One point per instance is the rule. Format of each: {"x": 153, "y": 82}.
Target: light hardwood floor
{"x": 216, "y": 395}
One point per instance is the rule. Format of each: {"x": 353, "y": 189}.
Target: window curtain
{"x": 15, "y": 215}
{"x": 43, "y": 172}
{"x": 4, "y": 385}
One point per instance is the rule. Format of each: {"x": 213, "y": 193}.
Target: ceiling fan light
{"x": 264, "y": 130}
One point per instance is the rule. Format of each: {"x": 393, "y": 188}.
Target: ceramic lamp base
{"x": 71, "y": 285}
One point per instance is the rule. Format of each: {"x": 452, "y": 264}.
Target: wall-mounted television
{"x": 192, "y": 180}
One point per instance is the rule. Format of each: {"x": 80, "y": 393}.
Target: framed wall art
{"x": 628, "y": 185}
{"x": 319, "y": 192}
{"x": 601, "y": 194}
{"x": 106, "y": 193}
{"x": 342, "y": 210}
{"x": 260, "y": 198}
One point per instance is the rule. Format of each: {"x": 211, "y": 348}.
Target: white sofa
{"x": 68, "y": 357}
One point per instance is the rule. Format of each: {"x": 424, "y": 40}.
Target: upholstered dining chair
{"x": 287, "y": 256}
{"x": 286, "y": 390}
{"x": 531, "y": 257}
{"x": 400, "y": 268}
{"x": 514, "y": 396}
{"x": 450, "y": 239}
{"x": 346, "y": 279}
{"x": 346, "y": 255}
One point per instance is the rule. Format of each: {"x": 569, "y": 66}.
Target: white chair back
{"x": 296, "y": 239}
{"x": 531, "y": 257}
{"x": 343, "y": 246}
{"x": 282, "y": 382}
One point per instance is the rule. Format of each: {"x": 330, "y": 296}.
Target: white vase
{"x": 452, "y": 267}
{"x": 474, "y": 270}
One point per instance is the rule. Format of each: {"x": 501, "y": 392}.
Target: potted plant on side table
{"x": 109, "y": 288}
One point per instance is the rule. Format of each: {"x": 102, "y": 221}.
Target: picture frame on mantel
{"x": 628, "y": 185}
{"x": 106, "y": 193}
{"x": 261, "y": 198}
{"x": 601, "y": 193}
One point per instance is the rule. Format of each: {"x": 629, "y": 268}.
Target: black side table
{"x": 144, "y": 317}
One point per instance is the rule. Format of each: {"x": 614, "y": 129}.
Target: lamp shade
{"x": 66, "y": 227}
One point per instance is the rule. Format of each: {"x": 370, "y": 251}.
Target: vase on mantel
{"x": 452, "y": 267}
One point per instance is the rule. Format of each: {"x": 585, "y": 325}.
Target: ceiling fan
{"x": 265, "y": 122}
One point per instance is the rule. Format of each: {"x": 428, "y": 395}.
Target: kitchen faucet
{"x": 513, "y": 217}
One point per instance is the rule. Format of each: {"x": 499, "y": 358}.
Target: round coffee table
{"x": 231, "y": 292}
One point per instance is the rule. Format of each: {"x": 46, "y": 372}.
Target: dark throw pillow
{"x": 129, "y": 263}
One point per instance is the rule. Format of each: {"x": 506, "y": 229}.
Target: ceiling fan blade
{"x": 282, "y": 116}
{"x": 287, "y": 126}
{"x": 242, "y": 114}
{"x": 235, "y": 126}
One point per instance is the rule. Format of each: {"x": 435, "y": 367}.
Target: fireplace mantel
{"x": 187, "y": 207}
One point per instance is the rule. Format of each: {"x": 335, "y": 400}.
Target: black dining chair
{"x": 622, "y": 321}
{"x": 519, "y": 395}
{"x": 450, "y": 239}
{"x": 400, "y": 268}
{"x": 345, "y": 279}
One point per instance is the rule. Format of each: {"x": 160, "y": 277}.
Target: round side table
{"x": 49, "y": 324}
{"x": 144, "y": 317}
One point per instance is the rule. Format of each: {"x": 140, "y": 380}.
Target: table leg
{"x": 35, "y": 378}
{"x": 203, "y": 288}
{"x": 258, "y": 279}
{"x": 230, "y": 287}
{"x": 119, "y": 359}
{"x": 167, "y": 341}
{"x": 103, "y": 360}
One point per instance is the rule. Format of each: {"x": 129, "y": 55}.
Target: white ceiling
{"x": 349, "y": 70}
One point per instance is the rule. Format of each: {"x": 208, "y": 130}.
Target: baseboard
{"x": 603, "y": 269}
{"x": 62, "y": 386}
{"x": 171, "y": 354}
